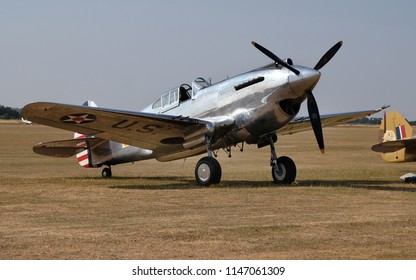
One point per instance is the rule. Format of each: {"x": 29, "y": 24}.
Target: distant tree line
{"x": 367, "y": 121}
{"x": 375, "y": 121}
{"x": 8, "y": 113}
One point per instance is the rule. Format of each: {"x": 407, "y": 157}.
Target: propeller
{"x": 315, "y": 118}
{"x": 313, "y": 110}
{"x": 328, "y": 56}
{"x": 275, "y": 58}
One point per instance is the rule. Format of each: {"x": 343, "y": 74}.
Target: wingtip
{"x": 323, "y": 151}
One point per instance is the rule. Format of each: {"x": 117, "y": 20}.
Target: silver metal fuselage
{"x": 258, "y": 103}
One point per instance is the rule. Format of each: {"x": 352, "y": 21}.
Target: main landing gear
{"x": 208, "y": 170}
{"x": 283, "y": 168}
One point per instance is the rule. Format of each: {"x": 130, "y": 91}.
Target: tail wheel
{"x": 208, "y": 171}
{"x": 286, "y": 171}
{"x": 106, "y": 172}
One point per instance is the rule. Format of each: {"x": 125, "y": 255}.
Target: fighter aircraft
{"x": 397, "y": 143}
{"x": 202, "y": 118}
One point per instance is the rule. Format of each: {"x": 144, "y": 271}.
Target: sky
{"x": 123, "y": 54}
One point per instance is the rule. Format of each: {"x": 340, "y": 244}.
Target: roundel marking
{"x": 79, "y": 118}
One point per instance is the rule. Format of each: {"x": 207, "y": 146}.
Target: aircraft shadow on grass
{"x": 174, "y": 183}
{"x": 381, "y": 185}
{"x": 188, "y": 183}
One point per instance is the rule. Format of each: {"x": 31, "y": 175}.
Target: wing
{"x": 303, "y": 123}
{"x": 164, "y": 134}
{"x": 66, "y": 148}
{"x": 393, "y": 146}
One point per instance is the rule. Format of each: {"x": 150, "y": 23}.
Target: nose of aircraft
{"x": 305, "y": 81}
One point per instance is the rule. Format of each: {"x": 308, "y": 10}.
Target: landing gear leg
{"x": 283, "y": 168}
{"x": 208, "y": 169}
{"x": 106, "y": 173}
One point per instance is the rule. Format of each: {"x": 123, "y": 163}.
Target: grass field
{"x": 346, "y": 204}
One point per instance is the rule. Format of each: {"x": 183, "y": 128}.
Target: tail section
{"x": 395, "y": 129}
{"x": 103, "y": 152}
{"x": 84, "y": 158}
{"x": 91, "y": 151}
{"x": 89, "y": 103}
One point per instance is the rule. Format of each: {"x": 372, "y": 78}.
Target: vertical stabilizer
{"x": 89, "y": 103}
{"x": 394, "y": 127}
{"x": 84, "y": 158}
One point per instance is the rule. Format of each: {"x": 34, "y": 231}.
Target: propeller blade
{"x": 274, "y": 57}
{"x": 328, "y": 56}
{"x": 315, "y": 121}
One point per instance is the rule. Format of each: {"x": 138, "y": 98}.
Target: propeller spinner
{"x": 313, "y": 111}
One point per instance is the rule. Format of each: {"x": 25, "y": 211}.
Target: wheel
{"x": 208, "y": 171}
{"x": 106, "y": 172}
{"x": 287, "y": 172}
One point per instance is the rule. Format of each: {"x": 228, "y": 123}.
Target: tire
{"x": 208, "y": 171}
{"x": 106, "y": 173}
{"x": 287, "y": 172}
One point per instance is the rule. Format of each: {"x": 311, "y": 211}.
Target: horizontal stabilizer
{"x": 393, "y": 146}
{"x": 66, "y": 148}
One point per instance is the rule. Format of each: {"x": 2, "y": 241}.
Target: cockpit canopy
{"x": 180, "y": 94}
{"x": 198, "y": 84}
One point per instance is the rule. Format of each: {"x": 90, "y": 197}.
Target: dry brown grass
{"x": 346, "y": 204}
